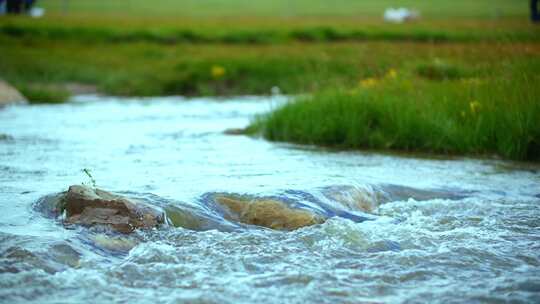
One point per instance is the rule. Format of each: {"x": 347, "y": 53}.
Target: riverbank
{"x": 397, "y": 95}
{"x": 439, "y": 107}
{"x": 432, "y": 85}
{"x": 486, "y": 116}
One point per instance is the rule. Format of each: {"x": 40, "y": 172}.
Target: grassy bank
{"x": 433, "y": 108}
{"x": 36, "y": 94}
{"x": 146, "y": 69}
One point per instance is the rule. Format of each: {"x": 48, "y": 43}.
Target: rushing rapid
{"x": 383, "y": 228}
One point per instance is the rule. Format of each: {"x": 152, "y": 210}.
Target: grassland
{"x": 220, "y": 8}
{"x": 462, "y": 79}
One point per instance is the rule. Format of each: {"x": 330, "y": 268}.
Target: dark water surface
{"x": 461, "y": 230}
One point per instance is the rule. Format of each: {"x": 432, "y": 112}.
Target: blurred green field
{"x": 221, "y": 8}
{"x": 265, "y": 21}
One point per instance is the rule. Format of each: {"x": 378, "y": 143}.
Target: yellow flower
{"x": 474, "y": 106}
{"x": 392, "y": 74}
{"x": 217, "y": 71}
{"x": 368, "y": 83}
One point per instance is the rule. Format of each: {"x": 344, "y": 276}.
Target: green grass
{"x": 321, "y": 33}
{"x": 100, "y": 29}
{"x": 37, "y": 94}
{"x": 147, "y": 69}
{"x": 185, "y": 69}
{"x": 440, "y": 70}
{"x": 214, "y": 8}
{"x": 493, "y": 115}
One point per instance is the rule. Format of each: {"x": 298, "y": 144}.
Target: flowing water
{"x": 398, "y": 228}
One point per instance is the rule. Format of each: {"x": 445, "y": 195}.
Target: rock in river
{"x": 267, "y": 213}
{"x": 9, "y": 94}
{"x": 90, "y": 207}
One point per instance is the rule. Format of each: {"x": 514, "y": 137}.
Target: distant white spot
{"x": 36, "y": 12}
{"x": 400, "y": 15}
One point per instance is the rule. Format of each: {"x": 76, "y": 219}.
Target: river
{"x": 436, "y": 230}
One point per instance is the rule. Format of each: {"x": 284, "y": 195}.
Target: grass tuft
{"x": 41, "y": 94}
{"x": 499, "y": 117}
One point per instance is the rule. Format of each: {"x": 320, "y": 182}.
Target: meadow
{"x": 264, "y": 8}
{"x": 460, "y": 80}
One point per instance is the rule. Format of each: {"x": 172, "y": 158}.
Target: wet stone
{"x": 267, "y": 213}
{"x": 9, "y": 95}
{"x": 235, "y": 131}
{"x": 113, "y": 243}
{"x": 87, "y": 206}
{"x": 5, "y": 137}
{"x": 50, "y": 258}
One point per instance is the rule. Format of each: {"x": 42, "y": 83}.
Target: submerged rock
{"x": 94, "y": 207}
{"x": 235, "y": 131}
{"x": 196, "y": 220}
{"x": 5, "y": 137}
{"x": 113, "y": 243}
{"x": 363, "y": 199}
{"x": 25, "y": 253}
{"x": 267, "y": 213}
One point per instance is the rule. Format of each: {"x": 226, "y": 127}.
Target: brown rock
{"x": 89, "y": 207}
{"x": 268, "y": 213}
{"x": 9, "y": 94}
{"x": 235, "y": 131}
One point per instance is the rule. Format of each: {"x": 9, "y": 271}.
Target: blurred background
{"x": 220, "y": 8}
{"x": 166, "y": 47}
{"x": 463, "y": 51}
